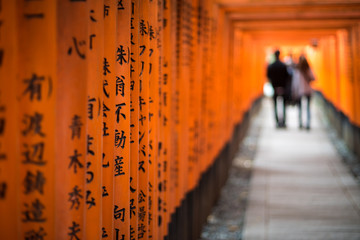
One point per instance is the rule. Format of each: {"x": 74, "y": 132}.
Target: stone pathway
{"x": 299, "y": 188}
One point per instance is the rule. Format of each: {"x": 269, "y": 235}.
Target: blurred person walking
{"x": 302, "y": 78}
{"x": 280, "y": 79}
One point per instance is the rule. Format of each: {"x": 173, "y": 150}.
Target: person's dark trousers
{"x": 282, "y": 122}
{"x": 308, "y": 99}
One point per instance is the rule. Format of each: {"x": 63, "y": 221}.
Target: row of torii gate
{"x": 119, "y": 119}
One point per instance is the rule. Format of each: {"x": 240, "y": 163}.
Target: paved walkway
{"x": 300, "y": 189}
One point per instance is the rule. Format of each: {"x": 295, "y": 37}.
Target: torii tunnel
{"x": 119, "y": 119}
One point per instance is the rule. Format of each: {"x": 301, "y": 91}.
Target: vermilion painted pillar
{"x": 145, "y": 31}
{"x": 109, "y": 112}
{"x": 122, "y": 158}
{"x": 154, "y": 67}
{"x": 71, "y": 102}
{"x": 9, "y": 127}
{"x": 134, "y": 119}
{"x": 94, "y": 122}
{"x": 36, "y": 87}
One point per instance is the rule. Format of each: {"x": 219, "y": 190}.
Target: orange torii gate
{"x": 119, "y": 119}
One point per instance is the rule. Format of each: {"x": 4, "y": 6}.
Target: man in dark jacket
{"x": 280, "y": 79}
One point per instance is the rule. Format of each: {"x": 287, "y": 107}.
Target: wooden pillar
{"x": 167, "y": 123}
{"x": 154, "y": 117}
{"x": 183, "y": 94}
{"x": 134, "y": 119}
{"x": 122, "y": 122}
{"x": 145, "y": 31}
{"x": 94, "y": 121}
{"x": 9, "y": 129}
{"x": 356, "y": 65}
{"x": 36, "y": 93}
{"x": 109, "y": 112}
{"x": 71, "y": 105}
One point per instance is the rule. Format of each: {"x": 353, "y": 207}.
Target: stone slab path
{"x": 300, "y": 189}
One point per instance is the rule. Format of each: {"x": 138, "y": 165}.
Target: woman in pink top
{"x": 303, "y": 76}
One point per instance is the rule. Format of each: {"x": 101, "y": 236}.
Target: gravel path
{"x": 227, "y": 218}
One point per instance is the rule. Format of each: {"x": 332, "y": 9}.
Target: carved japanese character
{"x": 117, "y": 235}
{"x": 106, "y": 10}
{"x": 122, "y": 55}
{"x": 33, "y": 123}
{"x": 119, "y": 166}
{"x": 132, "y": 208}
{"x": 120, "y": 139}
{"x": 74, "y": 229}
{"x": 105, "y": 84}
{"x": 105, "y": 109}
{"x": 91, "y": 40}
{"x": 34, "y": 182}
{"x": 142, "y": 197}
{"x": 90, "y": 201}
{"x": 104, "y": 233}
{"x": 119, "y": 213}
{"x": 141, "y": 230}
{"x": 120, "y": 5}
{"x": 106, "y": 66}
{"x": 142, "y": 28}
{"x": 34, "y": 212}
{"x": 75, "y": 163}
{"x": 35, "y": 235}
{"x": 104, "y": 193}
{"x": 89, "y": 180}
{"x": 75, "y": 126}
{"x": 106, "y": 165}
{"x": 74, "y": 197}
{"x": 35, "y": 154}
{"x": 77, "y": 45}
{"x": 92, "y": 16}
{"x": 105, "y": 128}
{"x": 3, "y": 189}
{"x": 120, "y": 85}
{"x": 89, "y": 143}
{"x": 34, "y": 85}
